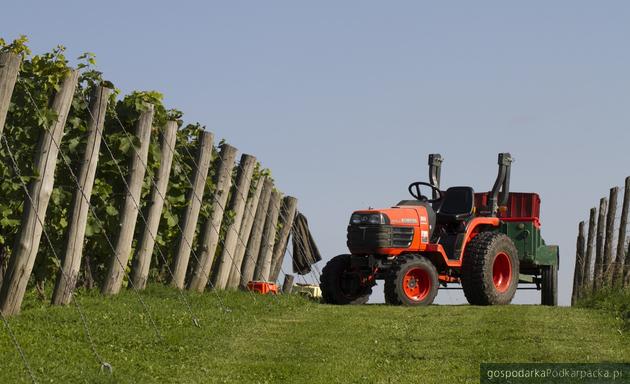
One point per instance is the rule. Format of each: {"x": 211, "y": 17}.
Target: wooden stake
{"x": 609, "y": 257}
{"x": 255, "y": 237}
{"x": 212, "y": 226}
{"x": 246, "y": 229}
{"x": 263, "y": 266}
{"x": 237, "y": 205}
{"x": 27, "y": 242}
{"x": 287, "y": 286}
{"x": 129, "y": 216}
{"x": 71, "y": 262}
{"x": 287, "y": 216}
{"x": 621, "y": 239}
{"x": 599, "y": 247}
{"x": 9, "y": 68}
{"x": 204, "y": 157}
{"x": 158, "y": 193}
{"x": 587, "y": 274}
{"x": 579, "y": 262}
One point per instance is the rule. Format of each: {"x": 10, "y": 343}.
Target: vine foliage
{"x": 30, "y": 115}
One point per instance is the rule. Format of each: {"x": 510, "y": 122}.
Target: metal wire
{"x": 193, "y": 253}
{"x": 57, "y": 145}
{"x": 195, "y": 320}
{"x": 27, "y": 366}
{"x": 50, "y": 244}
{"x": 252, "y": 212}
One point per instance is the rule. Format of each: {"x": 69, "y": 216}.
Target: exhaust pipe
{"x": 501, "y": 189}
{"x": 435, "y": 167}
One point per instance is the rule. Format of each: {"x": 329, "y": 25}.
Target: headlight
{"x": 369, "y": 218}
{"x": 376, "y": 219}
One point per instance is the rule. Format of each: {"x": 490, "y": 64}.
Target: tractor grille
{"x": 366, "y": 238}
{"x": 402, "y": 237}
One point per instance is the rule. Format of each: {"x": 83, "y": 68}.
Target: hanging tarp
{"x": 305, "y": 252}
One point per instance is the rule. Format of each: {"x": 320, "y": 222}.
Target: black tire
{"x": 549, "y": 288}
{"x": 404, "y": 277}
{"x": 339, "y": 285}
{"x": 478, "y": 275}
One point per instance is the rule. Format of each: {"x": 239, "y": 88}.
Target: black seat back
{"x": 458, "y": 204}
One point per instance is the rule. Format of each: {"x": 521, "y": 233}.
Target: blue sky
{"x": 344, "y": 100}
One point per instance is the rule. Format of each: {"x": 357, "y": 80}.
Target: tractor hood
{"x": 406, "y": 216}
{"x": 388, "y": 231}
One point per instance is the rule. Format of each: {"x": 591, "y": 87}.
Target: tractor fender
{"x": 474, "y": 227}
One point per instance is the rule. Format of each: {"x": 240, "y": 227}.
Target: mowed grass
{"x": 254, "y": 339}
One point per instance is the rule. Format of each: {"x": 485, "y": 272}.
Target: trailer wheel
{"x": 549, "y": 289}
{"x": 413, "y": 281}
{"x": 340, "y": 285}
{"x": 490, "y": 269}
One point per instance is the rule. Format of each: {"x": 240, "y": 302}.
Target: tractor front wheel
{"x": 549, "y": 289}
{"x": 413, "y": 281}
{"x": 341, "y": 285}
{"x": 490, "y": 269}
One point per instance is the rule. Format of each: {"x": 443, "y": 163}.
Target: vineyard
{"x": 128, "y": 238}
{"x": 113, "y": 192}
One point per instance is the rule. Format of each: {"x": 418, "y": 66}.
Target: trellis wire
{"x": 27, "y": 366}
{"x": 41, "y": 222}
{"x": 92, "y": 209}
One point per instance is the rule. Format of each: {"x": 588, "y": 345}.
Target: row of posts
{"x": 601, "y": 262}
{"x": 253, "y": 249}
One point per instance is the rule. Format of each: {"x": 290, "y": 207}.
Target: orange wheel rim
{"x": 416, "y": 284}
{"x": 502, "y": 272}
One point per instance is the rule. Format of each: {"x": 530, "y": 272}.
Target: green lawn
{"x": 288, "y": 339}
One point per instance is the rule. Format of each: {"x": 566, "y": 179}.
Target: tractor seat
{"x": 457, "y": 205}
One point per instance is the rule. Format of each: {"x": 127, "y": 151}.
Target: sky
{"x": 344, "y": 100}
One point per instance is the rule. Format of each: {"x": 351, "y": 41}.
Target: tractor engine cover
{"x": 388, "y": 231}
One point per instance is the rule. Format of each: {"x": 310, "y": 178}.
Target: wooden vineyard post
{"x": 287, "y": 285}
{"x": 599, "y": 246}
{"x": 246, "y": 228}
{"x": 27, "y": 242}
{"x": 147, "y": 241}
{"x": 191, "y": 216}
{"x": 129, "y": 216}
{"x": 621, "y": 239}
{"x": 579, "y": 262}
{"x": 287, "y": 216}
{"x": 588, "y": 260}
{"x": 212, "y": 226}
{"x": 609, "y": 260}
{"x": 9, "y": 68}
{"x": 263, "y": 266}
{"x": 237, "y": 205}
{"x": 71, "y": 262}
{"x": 248, "y": 265}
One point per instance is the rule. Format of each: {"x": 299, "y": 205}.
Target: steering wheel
{"x": 414, "y": 190}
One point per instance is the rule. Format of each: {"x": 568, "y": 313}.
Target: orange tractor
{"x": 486, "y": 242}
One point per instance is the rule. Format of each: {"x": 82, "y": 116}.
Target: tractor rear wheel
{"x": 549, "y": 289}
{"x": 413, "y": 281}
{"x": 490, "y": 269}
{"x": 341, "y": 285}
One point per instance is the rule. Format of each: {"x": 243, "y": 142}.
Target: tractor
{"x": 488, "y": 244}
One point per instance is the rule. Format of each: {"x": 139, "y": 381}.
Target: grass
{"x": 289, "y": 339}
{"x": 615, "y": 301}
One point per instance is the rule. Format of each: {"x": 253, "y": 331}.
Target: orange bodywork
{"x": 417, "y": 217}
{"x": 408, "y": 216}
{"x": 472, "y": 230}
